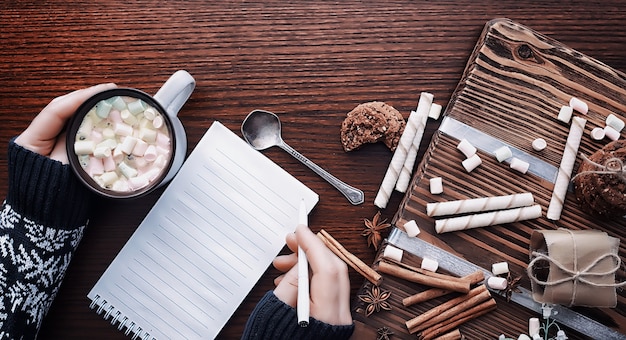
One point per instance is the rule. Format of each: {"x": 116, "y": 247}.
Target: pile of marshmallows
{"x": 123, "y": 143}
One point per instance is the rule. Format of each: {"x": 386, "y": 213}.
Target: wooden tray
{"x": 513, "y": 87}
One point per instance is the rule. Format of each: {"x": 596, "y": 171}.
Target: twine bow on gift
{"x": 576, "y": 275}
{"x": 612, "y": 166}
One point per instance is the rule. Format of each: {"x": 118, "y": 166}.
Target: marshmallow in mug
{"x": 123, "y": 144}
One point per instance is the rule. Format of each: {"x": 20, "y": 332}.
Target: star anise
{"x": 373, "y": 230}
{"x": 376, "y": 299}
{"x": 384, "y": 333}
{"x": 512, "y": 283}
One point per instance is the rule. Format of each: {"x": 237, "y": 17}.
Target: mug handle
{"x": 175, "y": 92}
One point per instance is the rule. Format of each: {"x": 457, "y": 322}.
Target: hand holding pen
{"x": 329, "y": 282}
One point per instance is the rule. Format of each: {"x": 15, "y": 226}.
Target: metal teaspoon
{"x": 261, "y": 129}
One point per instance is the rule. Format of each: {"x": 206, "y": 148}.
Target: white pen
{"x": 303, "y": 275}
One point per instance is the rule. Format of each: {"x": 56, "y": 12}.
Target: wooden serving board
{"x": 513, "y": 87}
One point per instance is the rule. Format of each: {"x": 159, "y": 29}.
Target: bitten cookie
{"x": 600, "y": 185}
{"x": 370, "y": 123}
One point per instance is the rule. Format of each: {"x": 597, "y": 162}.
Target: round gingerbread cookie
{"x": 603, "y": 194}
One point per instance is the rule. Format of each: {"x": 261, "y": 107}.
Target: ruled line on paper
{"x": 219, "y": 243}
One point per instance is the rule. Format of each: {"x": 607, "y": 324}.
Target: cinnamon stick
{"x": 469, "y": 314}
{"x": 424, "y": 271}
{"x": 403, "y": 273}
{"x": 432, "y": 293}
{"x": 349, "y": 258}
{"x": 453, "y": 335}
{"x": 448, "y": 309}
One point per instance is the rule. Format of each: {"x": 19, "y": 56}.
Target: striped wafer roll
{"x": 423, "y": 109}
{"x": 487, "y": 219}
{"x": 479, "y": 204}
{"x": 565, "y": 168}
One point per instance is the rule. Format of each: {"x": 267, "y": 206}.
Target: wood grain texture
{"x": 311, "y": 62}
{"x": 512, "y": 89}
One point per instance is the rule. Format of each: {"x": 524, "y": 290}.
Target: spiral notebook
{"x": 204, "y": 244}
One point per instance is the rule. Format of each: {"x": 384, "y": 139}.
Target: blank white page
{"x": 204, "y": 244}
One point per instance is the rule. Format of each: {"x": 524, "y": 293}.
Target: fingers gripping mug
{"x": 124, "y": 143}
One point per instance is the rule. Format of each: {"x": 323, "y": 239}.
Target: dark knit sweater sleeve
{"x": 272, "y": 319}
{"x": 41, "y": 223}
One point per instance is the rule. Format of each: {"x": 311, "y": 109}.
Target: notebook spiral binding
{"x": 117, "y": 318}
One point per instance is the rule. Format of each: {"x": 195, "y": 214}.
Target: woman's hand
{"x": 43, "y": 135}
{"x": 329, "y": 285}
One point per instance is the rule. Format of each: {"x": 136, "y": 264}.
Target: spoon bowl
{"x": 262, "y": 130}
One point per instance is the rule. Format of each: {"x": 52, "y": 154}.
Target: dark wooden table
{"x": 309, "y": 61}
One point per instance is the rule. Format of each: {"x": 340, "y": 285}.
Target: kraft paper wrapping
{"x": 574, "y": 268}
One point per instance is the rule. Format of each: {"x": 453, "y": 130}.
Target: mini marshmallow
{"x": 533, "y": 326}
{"x": 151, "y": 153}
{"x": 84, "y": 131}
{"x": 107, "y": 143}
{"x": 115, "y": 116}
{"x": 106, "y": 179}
{"x": 519, "y": 165}
{"x": 471, "y": 163}
{"x": 579, "y": 105}
{"x": 565, "y": 114}
{"x": 523, "y": 337}
{"x": 95, "y": 167}
{"x": 466, "y": 148}
{"x": 157, "y": 122}
{"x": 136, "y": 106}
{"x": 611, "y": 133}
{"x": 539, "y": 144}
{"x": 495, "y": 282}
{"x": 127, "y": 170}
{"x": 163, "y": 140}
{"x": 138, "y": 182}
{"x": 502, "y": 153}
{"x": 140, "y": 148}
{"x": 436, "y": 185}
{"x": 597, "y": 133}
{"x": 123, "y": 129}
{"x": 435, "y": 111}
{"x": 84, "y": 147}
{"x": 614, "y": 122}
{"x": 102, "y": 152}
{"x": 102, "y": 109}
{"x": 128, "y": 145}
{"x": 120, "y": 185}
{"x": 108, "y": 133}
{"x": 160, "y": 161}
{"x": 148, "y": 135}
{"x": 96, "y": 136}
{"x": 411, "y": 228}
{"x": 149, "y": 113}
{"x": 393, "y": 253}
{"x": 109, "y": 163}
{"x": 118, "y": 103}
{"x": 128, "y": 117}
{"x": 500, "y": 268}
{"x": 429, "y": 264}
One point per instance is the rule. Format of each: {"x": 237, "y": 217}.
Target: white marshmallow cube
{"x": 614, "y": 122}
{"x": 565, "y": 114}
{"x": 435, "y": 111}
{"x": 579, "y": 105}
{"x": 519, "y": 165}
{"x": 500, "y": 268}
{"x": 502, "y": 153}
{"x": 393, "y": 253}
{"x": 539, "y": 144}
{"x": 611, "y": 133}
{"x": 411, "y": 228}
{"x": 466, "y": 148}
{"x": 597, "y": 133}
{"x": 429, "y": 264}
{"x": 471, "y": 163}
{"x": 436, "y": 185}
{"x": 495, "y": 282}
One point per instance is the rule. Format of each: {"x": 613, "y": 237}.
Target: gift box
{"x": 574, "y": 267}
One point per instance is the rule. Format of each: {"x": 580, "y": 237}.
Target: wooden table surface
{"x": 311, "y": 62}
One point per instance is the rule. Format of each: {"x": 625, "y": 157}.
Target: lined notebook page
{"x": 204, "y": 244}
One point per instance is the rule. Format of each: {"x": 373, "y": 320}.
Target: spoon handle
{"x": 354, "y": 195}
